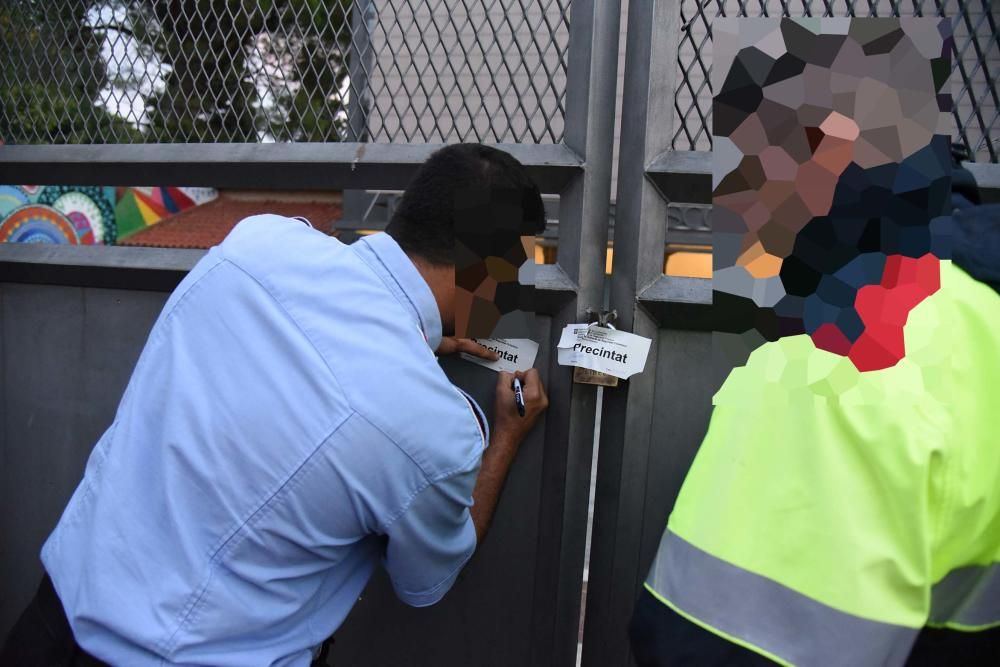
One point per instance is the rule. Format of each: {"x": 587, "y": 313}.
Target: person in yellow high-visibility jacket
{"x": 844, "y": 506}
{"x": 833, "y": 517}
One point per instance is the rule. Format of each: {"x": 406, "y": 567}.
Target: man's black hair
{"x": 424, "y": 222}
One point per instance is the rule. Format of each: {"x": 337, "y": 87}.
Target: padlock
{"x": 587, "y": 376}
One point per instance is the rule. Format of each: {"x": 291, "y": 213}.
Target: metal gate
{"x": 653, "y": 424}
{"x": 518, "y": 602}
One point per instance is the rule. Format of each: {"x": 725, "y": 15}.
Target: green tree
{"x": 214, "y": 51}
{"x": 312, "y": 110}
{"x": 51, "y": 75}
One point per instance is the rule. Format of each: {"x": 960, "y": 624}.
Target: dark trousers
{"x": 663, "y": 638}
{"x": 42, "y": 636}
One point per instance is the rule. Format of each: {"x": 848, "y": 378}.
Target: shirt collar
{"x": 381, "y": 252}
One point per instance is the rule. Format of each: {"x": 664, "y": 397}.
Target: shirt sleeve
{"x": 432, "y": 539}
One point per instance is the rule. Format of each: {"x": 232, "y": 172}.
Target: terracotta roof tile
{"x": 206, "y": 225}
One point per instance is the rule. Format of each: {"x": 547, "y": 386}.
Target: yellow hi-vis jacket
{"x": 830, "y": 514}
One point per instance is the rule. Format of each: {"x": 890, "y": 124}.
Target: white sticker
{"x": 610, "y": 351}
{"x": 515, "y": 354}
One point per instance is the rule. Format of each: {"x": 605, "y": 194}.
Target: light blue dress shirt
{"x": 286, "y": 428}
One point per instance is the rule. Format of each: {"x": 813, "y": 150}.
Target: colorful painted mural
{"x": 87, "y": 215}
{"x": 137, "y": 208}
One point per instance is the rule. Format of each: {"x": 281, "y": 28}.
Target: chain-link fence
{"x": 478, "y": 70}
{"x": 110, "y": 71}
{"x": 976, "y": 61}
{"x": 97, "y": 71}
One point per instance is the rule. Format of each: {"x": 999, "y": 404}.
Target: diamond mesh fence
{"x": 116, "y": 71}
{"x": 976, "y": 61}
{"x": 476, "y": 69}
{"x": 98, "y": 71}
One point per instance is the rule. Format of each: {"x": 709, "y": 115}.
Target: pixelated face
{"x": 830, "y": 155}
{"x": 494, "y": 265}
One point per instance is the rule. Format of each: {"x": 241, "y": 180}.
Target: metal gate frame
{"x": 578, "y": 169}
{"x": 624, "y": 458}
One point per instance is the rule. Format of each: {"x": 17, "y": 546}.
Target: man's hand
{"x": 509, "y": 429}
{"x": 506, "y": 420}
{"x": 451, "y": 345}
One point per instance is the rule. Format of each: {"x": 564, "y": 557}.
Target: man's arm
{"x": 431, "y": 540}
{"x": 509, "y": 429}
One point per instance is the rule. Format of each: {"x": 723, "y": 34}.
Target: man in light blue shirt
{"x": 286, "y": 429}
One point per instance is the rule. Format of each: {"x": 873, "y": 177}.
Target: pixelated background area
{"x": 494, "y": 265}
{"x": 831, "y": 174}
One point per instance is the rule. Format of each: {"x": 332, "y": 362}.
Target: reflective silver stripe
{"x": 968, "y": 596}
{"x": 768, "y": 615}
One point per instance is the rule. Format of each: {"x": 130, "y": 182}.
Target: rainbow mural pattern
{"x": 88, "y": 215}
{"x": 138, "y": 208}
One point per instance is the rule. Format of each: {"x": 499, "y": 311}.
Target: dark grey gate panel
{"x": 66, "y": 354}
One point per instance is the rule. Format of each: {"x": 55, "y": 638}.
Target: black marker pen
{"x": 518, "y": 396}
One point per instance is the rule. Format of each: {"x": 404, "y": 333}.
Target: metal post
{"x": 640, "y": 222}
{"x": 584, "y": 209}
{"x": 359, "y": 65}
{"x": 358, "y": 203}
